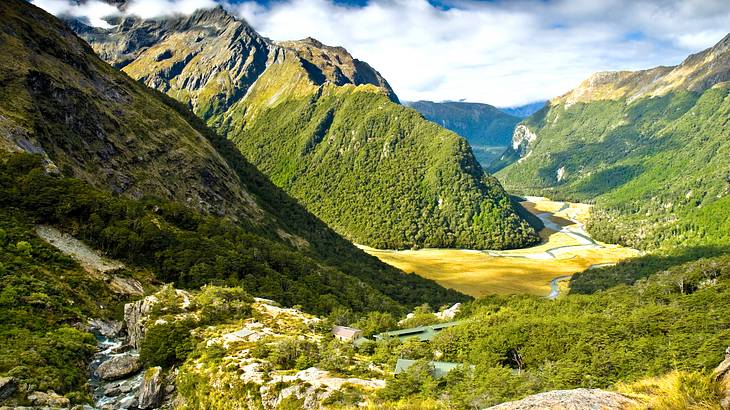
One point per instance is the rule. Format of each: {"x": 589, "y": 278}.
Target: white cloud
{"x": 504, "y": 52}
{"x": 161, "y": 8}
{"x": 94, "y": 10}
{"x": 500, "y": 52}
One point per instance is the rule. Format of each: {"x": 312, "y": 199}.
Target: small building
{"x": 439, "y": 369}
{"x": 346, "y": 334}
{"x": 423, "y": 333}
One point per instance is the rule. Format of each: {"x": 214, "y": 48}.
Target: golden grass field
{"x": 530, "y": 270}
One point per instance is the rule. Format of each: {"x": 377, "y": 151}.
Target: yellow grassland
{"x": 530, "y": 270}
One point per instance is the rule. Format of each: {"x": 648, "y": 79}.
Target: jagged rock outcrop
{"x": 521, "y": 139}
{"x": 135, "y": 314}
{"x": 119, "y": 367}
{"x": 152, "y": 390}
{"x": 8, "y": 386}
{"x": 210, "y": 59}
{"x": 722, "y": 376}
{"x": 107, "y": 328}
{"x": 578, "y": 399}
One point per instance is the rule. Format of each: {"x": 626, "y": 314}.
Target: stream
{"x": 116, "y": 394}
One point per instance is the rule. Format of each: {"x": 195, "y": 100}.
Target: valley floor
{"x": 566, "y": 249}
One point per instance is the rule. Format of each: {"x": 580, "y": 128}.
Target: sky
{"x": 501, "y": 52}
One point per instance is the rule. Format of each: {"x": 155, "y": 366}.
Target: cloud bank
{"x": 503, "y": 52}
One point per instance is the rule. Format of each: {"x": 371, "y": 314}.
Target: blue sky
{"x": 502, "y": 52}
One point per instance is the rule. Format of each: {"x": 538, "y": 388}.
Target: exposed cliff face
{"x": 521, "y": 139}
{"x": 60, "y": 100}
{"x": 208, "y": 60}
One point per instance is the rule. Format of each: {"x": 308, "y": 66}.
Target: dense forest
{"x": 381, "y": 177}
{"x": 656, "y": 168}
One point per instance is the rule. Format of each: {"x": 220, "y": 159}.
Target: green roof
{"x": 423, "y": 333}
{"x": 440, "y": 369}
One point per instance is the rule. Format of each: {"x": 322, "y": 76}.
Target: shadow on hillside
{"x": 630, "y": 271}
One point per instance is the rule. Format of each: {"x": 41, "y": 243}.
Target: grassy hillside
{"x": 653, "y": 159}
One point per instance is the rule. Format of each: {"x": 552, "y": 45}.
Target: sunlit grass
{"x": 529, "y": 270}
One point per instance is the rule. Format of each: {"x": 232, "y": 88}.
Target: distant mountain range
{"x": 488, "y": 129}
{"x": 325, "y": 127}
{"x": 649, "y": 147}
{"x": 524, "y": 111}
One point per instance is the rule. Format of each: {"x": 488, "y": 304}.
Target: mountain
{"x": 91, "y": 122}
{"x": 524, "y": 111}
{"x": 648, "y": 147}
{"x": 488, "y": 129}
{"x": 325, "y": 127}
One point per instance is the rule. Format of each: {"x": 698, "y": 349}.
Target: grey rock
{"x": 150, "y": 395}
{"x": 129, "y": 403}
{"x": 722, "y": 376}
{"x": 135, "y": 315}
{"x": 109, "y": 329}
{"x": 8, "y": 386}
{"x": 48, "y": 399}
{"x": 118, "y": 367}
{"x": 578, "y": 399}
{"x": 125, "y": 388}
{"x": 112, "y": 391}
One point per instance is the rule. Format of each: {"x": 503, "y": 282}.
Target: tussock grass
{"x": 674, "y": 391}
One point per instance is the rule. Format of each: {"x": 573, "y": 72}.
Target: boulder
{"x": 150, "y": 395}
{"x": 118, "y": 367}
{"x": 48, "y": 399}
{"x": 8, "y": 386}
{"x": 722, "y": 376}
{"x": 109, "y": 329}
{"x": 578, "y": 399}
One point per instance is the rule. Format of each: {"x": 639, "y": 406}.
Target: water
{"x": 122, "y": 393}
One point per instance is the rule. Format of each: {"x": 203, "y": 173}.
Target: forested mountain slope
{"x": 488, "y": 129}
{"x": 325, "y": 127}
{"x": 89, "y": 121}
{"x": 649, "y": 147}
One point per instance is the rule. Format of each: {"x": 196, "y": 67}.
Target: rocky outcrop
{"x": 48, "y": 399}
{"x": 119, "y": 367}
{"x": 521, "y": 139}
{"x": 109, "y": 329}
{"x": 152, "y": 391}
{"x": 135, "y": 314}
{"x": 722, "y": 376}
{"x": 8, "y": 386}
{"x": 578, "y": 399}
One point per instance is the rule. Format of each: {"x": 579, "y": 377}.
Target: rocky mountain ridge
{"x": 320, "y": 124}
{"x": 697, "y": 73}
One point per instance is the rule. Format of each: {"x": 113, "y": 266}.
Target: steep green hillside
{"x": 326, "y": 128}
{"x": 649, "y": 148}
{"x": 488, "y": 129}
{"x": 92, "y": 122}
{"x": 675, "y": 320}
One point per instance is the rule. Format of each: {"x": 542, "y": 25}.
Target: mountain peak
{"x": 696, "y": 73}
